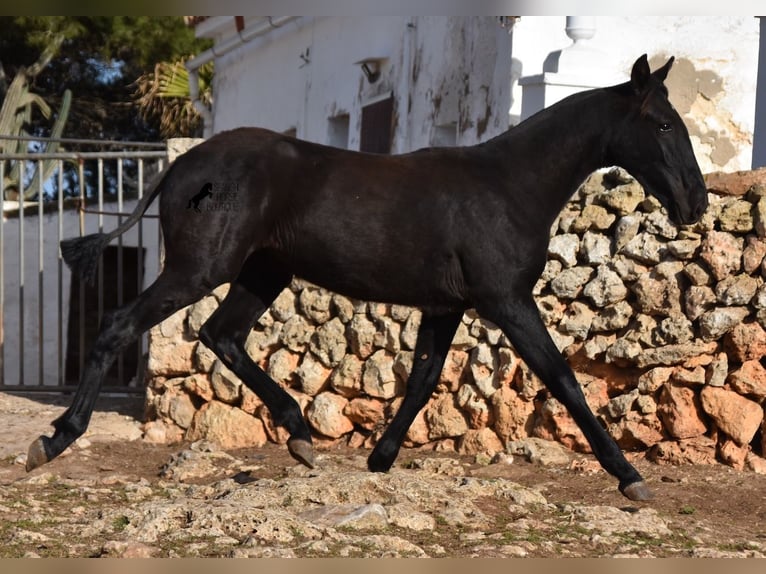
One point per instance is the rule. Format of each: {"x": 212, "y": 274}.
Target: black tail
{"x": 82, "y": 254}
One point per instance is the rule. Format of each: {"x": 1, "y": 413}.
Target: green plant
{"x": 164, "y": 93}
{"x": 15, "y": 114}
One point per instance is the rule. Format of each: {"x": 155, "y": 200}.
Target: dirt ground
{"x": 710, "y": 510}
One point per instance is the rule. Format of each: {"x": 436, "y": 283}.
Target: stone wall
{"x": 664, "y": 327}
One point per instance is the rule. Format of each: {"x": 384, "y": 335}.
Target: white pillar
{"x": 580, "y": 66}
{"x": 759, "y": 129}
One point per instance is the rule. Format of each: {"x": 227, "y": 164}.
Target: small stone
{"x": 484, "y": 441}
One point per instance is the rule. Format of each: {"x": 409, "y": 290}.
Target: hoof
{"x": 378, "y": 463}
{"x": 36, "y": 455}
{"x": 302, "y": 451}
{"x": 638, "y": 491}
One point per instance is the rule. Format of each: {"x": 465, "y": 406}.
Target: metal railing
{"x": 37, "y": 352}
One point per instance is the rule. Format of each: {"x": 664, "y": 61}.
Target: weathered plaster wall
{"x": 440, "y": 71}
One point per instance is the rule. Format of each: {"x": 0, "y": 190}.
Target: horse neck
{"x": 561, "y": 145}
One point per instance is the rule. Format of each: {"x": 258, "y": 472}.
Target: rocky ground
{"x": 115, "y": 495}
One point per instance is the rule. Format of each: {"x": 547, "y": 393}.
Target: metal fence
{"x": 48, "y": 318}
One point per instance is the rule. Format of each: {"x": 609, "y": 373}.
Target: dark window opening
{"x": 377, "y": 126}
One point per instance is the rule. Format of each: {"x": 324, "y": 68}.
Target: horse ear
{"x": 639, "y": 75}
{"x": 662, "y": 72}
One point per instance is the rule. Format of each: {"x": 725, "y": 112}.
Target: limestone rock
{"x": 716, "y": 323}
{"x": 198, "y": 385}
{"x": 444, "y": 418}
{"x": 564, "y": 248}
{"x": 361, "y": 332}
{"x": 314, "y": 303}
{"x": 698, "y": 450}
{"x": 722, "y": 252}
{"x": 569, "y": 283}
{"x": 645, "y": 248}
{"x": 753, "y": 254}
{"x": 736, "y": 217}
{"x": 227, "y": 426}
{"x": 199, "y": 313}
{"x": 346, "y": 379}
{"x": 474, "y": 406}
{"x": 606, "y": 288}
{"x": 680, "y": 412}
{"x": 746, "y": 341}
{"x": 312, "y": 376}
{"x": 367, "y": 413}
{"x": 698, "y": 299}
{"x": 326, "y": 415}
{"x": 296, "y": 333}
{"x": 225, "y": 383}
{"x": 378, "y": 379}
{"x": 593, "y": 217}
{"x": 480, "y": 441}
{"x": 674, "y": 354}
{"x": 736, "y": 289}
{"x": 736, "y": 183}
{"x": 749, "y": 379}
{"x": 595, "y": 249}
{"x": 539, "y": 451}
{"x": 329, "y": 342}
{"x": 514, "y": 416}
{"x": 282, "y": 365}
{"x": 735, "y": 415}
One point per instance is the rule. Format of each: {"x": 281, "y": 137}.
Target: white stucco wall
{"x": 464, "y": 70}
{"x": 461, "y": 63}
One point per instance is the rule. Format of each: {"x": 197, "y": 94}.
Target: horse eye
{"x": 665, "y": 128}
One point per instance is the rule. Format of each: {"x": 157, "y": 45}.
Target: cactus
{"x": 15, "y": 113}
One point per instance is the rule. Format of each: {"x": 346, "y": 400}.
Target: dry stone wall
{"x": 664, "y": 327}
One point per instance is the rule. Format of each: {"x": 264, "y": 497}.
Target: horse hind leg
{"x": 120, "y": 327}
{"x": 226, "y": 332}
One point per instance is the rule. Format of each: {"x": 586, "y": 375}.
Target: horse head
{"x": 652, "y": 144}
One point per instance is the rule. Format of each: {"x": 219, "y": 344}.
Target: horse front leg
{"x": 434, "y": 338}
{"x": 521, "y": 322}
